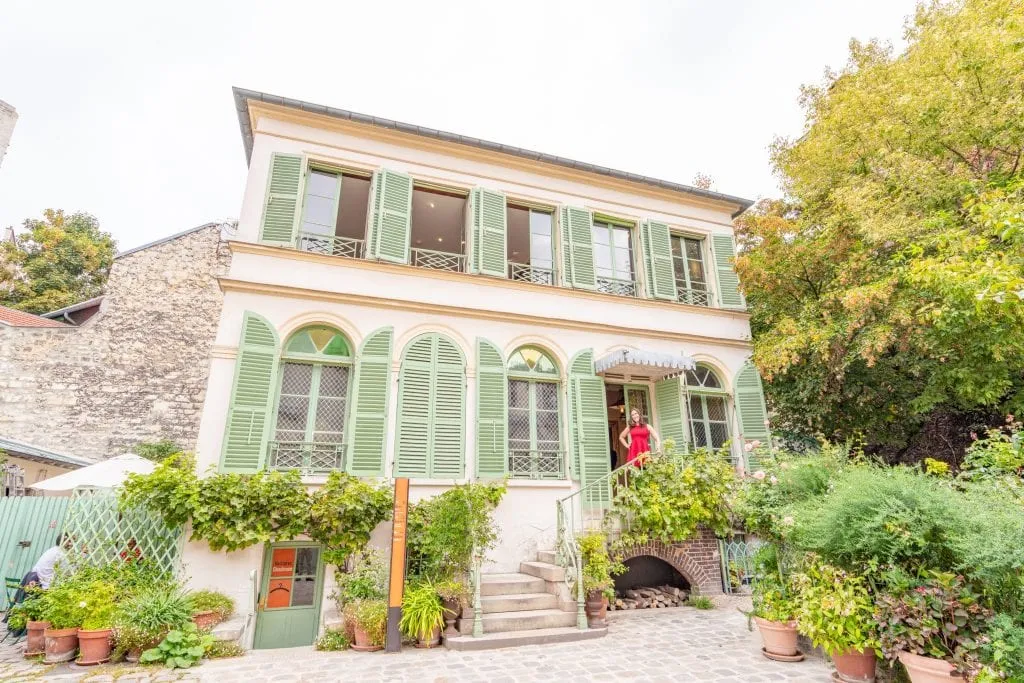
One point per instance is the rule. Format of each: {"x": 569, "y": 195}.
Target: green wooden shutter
{"x": 248, "y": 423}
{"x": 491, "y": 412}
{"x": 565, "y": 246}
{"x": 392, "y": 216}
{"x": 372, "y": 218}
{"x": 431, "y": 409}
{"x": 280, "y": 211}
{"x": 369, "y": 416}
{"x": 728, "y": 282}
{"x": 489, "y": 232}
{"x": 592, "y": 438}
{"x": 748, "y": 395}
{"x": 668, "y": 395}
{"x": 576, "y": 225}
{"x": 658, "y": 258}
{"x": 448, "y": 441}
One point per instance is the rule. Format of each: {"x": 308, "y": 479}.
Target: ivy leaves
{"x": 344, "y": 512}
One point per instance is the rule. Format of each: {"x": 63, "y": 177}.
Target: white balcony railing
{"x": 524, "y": 272}
{"x": 330, "y": 245}
{"x": 611, "y": 285}
{"x": 306, "y": 456}
{"x": 439, "y": 260}
{"x": 694, "y": 297}
{"x": 536, "y": 464}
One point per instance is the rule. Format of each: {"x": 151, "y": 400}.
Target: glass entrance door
{"x": 289, "y": 606}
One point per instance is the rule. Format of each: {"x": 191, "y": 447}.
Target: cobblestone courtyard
{"x": 677, "y": 644}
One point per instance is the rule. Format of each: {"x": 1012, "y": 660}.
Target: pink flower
{"x": 748, "y": 447}
{"x": 974, "y": 436}
{"x": 774, "y": 480}
{"x": 759, "y": 475}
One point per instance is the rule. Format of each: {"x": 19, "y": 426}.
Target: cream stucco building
{"x": 407, "y": 302}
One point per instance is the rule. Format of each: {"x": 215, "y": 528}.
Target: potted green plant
{"x": 94, "y": 637}
{"x": 422, "y": 614}
{"x": 598, "y": 577}
{"x": 934, "y": 628}
{"x": 835, "y": 610}
{"x": 65, "y": 609}
{"x": 453, "y": 599}
{"x": 369, "y": 621}
{"x": 33, "y": 609}
{"x": 142, "y": 621}
{"x": 209, "y": 608}
{"x": 774, "y": 607}
{"x": 180, "y": 648}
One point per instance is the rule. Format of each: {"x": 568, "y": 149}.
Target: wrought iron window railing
{"x": 309, "y": 457}
{"x": 694, "y": 297}
{"x": 540, "y": 464}
{"x": 611, "y": 285}
{"x": 330, "y": 245}
{"x": 524, "y": 272}
{"x": 439, "y": 260}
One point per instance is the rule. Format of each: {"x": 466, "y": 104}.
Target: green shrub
{"x": 332, "y": 641}
{"x": 773, "y": 597}
{"x": 370, "y": 616}
{"x": 366, "y": 580}
{"x": 148, "y": 616}
{"x": 344, "y": 512}
{"x": 444, "y": 530}
{"x": 180, "y": 648}
{"x": 222, "y": 649}
{"x": 64, "y": 604}
{"x": 422, "y": 611}
{"x": 700, "y": 602}
{"x": 16, "y": 618}
{"x": 1004, "y": 647}
{"x": 834, "y": 608}
{"x": 99, "y": 598}
{"x": 598, "y": 568}
{"x": 211, "y": 601}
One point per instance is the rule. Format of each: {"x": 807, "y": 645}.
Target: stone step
{"x": 511, "y": 584}
{"x": 544, "y": 570}
{"x": 549, "y": 556}
{"x": 230, "y": 630}
{"x": 543, "y": 636}
{"x": 518, "y": 602}
{"x": 500, "y": 622}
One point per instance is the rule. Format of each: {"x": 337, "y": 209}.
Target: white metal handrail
{"x": 330, "y": 245}
{"x": 439, "y": 260}
{"x": 612, "y": 285}
{"x": 309, "y": 457}
{"x": 524, "y": 272}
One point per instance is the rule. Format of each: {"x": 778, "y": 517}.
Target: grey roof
{"x": 242, "y": 97}
{"x": 95, "y": 301}
{"x": 175, "y": 236}
{"x": 20, "y": 449}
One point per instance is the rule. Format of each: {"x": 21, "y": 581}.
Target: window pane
{"x": 623, "y": 264}
{"x": 599, "y": 231}
{"x": 693, "y": 249}
{"x": 676, "y": 248}
{"x": 540, "y": 223}
{"x": 697, "y": 277}
{"x": 603, "y": 260}
{"x": 306, "y": 560}
{"x": 334, "y": 380}
{"x": 352, "y": 209}
{"x": 518, "y": 226}
{"x": 518, "y": 394}
{"x": 719, "y": 434}
{"x": 621, "y": 237}
{"x": 540, "y": 249}
{"x": 547, "y": 395}
{"x": 716, "y": 408}
{"x": 547, "y": 430}
{"x": 700, "y": 439}
{"x": 318, "y": 215}
{"x": 303, "y": 591}
{"x": 696, "y": 408}
{"x": 519, "y": 426}
{"x": 438, "y": 220}
{"x": 321, "y": 184}
{"x": 292, "y": 412}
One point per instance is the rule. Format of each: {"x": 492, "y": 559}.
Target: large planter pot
{"x": 93, "y": 646}
{"x": 35, "y": 641}
{"x": 927, "y": 669}
{"x": 433, "y": 641}
{"x": 363, "y": 641}
{"x": 596, "y": 608}
{"x": 205, "y": 621}
{"x": 61, "y": 644}
{"x": 779, "y": 637}
{"x": 855, "y": 666}
{"x": 452, "y": 608}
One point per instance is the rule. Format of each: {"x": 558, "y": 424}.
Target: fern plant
{"x": 422, "y": 611}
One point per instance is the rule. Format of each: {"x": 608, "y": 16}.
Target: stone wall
{"x": 697, "y": 559}
{"x": 134, "y": 372}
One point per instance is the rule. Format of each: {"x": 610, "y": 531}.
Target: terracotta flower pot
{"x": 93, "y": 646}
{"x": 927, "y": 669}
{"x": 779, "y": 637}
{"x": 433, "y": 641}
{"x": 855, "y": 666}
{"x": 205, "y": 621}
{"x": 61, "y": 644}
{"x": 596, "y": 608}
{"x": 452, "y": 608}
{"x": 35, "y": 642}
{"x": 363, "y": 641}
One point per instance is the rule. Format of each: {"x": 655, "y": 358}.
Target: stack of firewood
{"x": 649, "y": 598}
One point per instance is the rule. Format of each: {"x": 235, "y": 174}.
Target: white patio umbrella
{"x": 104, "y": 474}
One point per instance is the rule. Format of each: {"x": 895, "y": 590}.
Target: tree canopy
{"x": 889, "y": 283}
{"x": 55, "y": 262}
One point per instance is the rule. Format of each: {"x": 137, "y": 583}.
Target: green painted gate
{"x": 29, "y": 525}
{"x": 288, "y": 612}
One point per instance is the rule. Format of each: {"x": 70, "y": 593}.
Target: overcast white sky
{"x": 125, "y": 109}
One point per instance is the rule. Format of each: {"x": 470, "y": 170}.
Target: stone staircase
{"x": 528, "y": 607}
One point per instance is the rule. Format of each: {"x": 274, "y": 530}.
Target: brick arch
{"x": 697, "y": 559}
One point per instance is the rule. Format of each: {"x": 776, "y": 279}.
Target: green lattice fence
{"x": 737, "y": 563}
{"x": 101, "y": 533}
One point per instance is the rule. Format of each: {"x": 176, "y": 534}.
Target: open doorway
{"x": 621, "y": 399}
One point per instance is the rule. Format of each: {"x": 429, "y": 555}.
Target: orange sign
{"x": 282, "y": 563}
{"x": 396, "y": 581}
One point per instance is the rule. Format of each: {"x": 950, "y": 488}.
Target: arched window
{"x": 534, "y": 430}
{"x": 312, "y": 404}
{"x": 709, "y": 418}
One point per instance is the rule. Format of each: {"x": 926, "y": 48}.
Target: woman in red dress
{"x": 637, "y": 437}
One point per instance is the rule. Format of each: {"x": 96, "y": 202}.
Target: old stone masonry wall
{"x": 134, "y": 372}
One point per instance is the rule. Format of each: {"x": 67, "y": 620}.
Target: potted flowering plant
{"x": 65, "y": 608}
{"x": 94, "y": 636}
{"x": 33, "y": 610}
{"x": 835, "y": 610}
{"x": 599, "y": 571}
{"x": 774, "y": 606}
{"x": 934, "y": 628}
{"x": 369, "y": 621}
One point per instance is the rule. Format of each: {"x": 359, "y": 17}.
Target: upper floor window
{"x": 312, "y": 404}
{"x": 438, "y": 230}
{"x": 530, "y": 245}
{"x": 613, "y": 258}
{"x": 534, "y": 431}
{"x": 334, "y": 209}
{"x": 688, "y": 266}
{"x": 709, "y": 417}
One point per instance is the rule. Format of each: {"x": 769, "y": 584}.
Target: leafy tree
{"x": 887, "y": 286}
{"x": 56, "y": 261}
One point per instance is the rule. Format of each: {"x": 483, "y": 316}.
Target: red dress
{"x": 639, "y": 438}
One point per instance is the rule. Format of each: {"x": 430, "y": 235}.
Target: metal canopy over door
{"x": 28, "y": 527}
{"x": 289, "y": 605}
